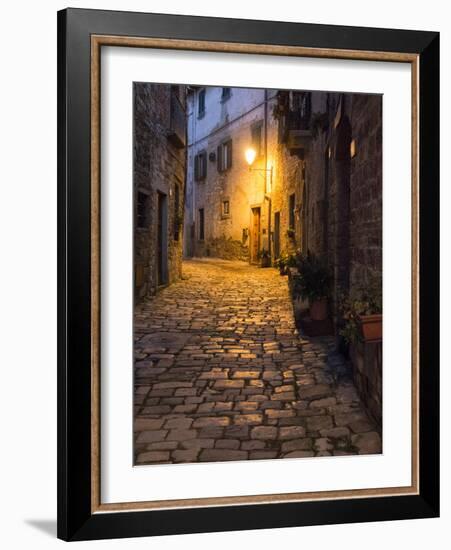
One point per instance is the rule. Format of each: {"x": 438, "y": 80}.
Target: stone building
{"x": 331, "y": 144}
{"x": 159, "y": 184}
{"x": 227, "y": 205}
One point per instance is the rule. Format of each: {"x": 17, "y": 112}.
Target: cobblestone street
{"x": 221, "y": 373}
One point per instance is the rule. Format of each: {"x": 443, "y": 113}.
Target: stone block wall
{"x": 342, "y": 198}
{"x": 366, "y": 189}
{"x": 158, "y": 168}
{"x": 367, "y": 372}
{"x": 288, "y": 174}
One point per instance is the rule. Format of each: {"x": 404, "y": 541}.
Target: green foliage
{"x": 366, "y": 300}
{"x": 313, "y": 280}
{"x": 284, "y": 261}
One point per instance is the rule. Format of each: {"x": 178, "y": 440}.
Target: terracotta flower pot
{"x": 318, "y": 310}
{"x": 371, "y": 327}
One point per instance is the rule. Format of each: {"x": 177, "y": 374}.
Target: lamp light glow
{"x": 250, "y": 155}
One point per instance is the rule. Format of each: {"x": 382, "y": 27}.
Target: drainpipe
{"x": 191, "y": 120}
{"x": 266, "y": 174}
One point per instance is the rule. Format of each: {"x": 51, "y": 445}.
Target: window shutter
{"x": 204, "y": 165}
{"x": 219, "y": 158}
{"x": 229, "y": 154}
{"x": 196, "y": 167}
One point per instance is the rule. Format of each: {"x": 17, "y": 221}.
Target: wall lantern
{"x": 250, "y": 155}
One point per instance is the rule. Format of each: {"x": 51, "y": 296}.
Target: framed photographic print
{"x": 248, "y": 274}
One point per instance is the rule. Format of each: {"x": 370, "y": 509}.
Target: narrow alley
{"x": 221, "y": 373}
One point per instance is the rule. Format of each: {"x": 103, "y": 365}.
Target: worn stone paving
{"x": 221, "y": 373}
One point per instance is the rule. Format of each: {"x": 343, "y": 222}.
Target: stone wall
{"x": 367, "y": 372}
{"x": 342, "y": 199}
{"x": 159, "y": 170}
{"x": 288, "y": 175}
{"x": 366, "y": 189}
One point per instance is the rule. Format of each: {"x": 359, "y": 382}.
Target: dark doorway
{"x": 162, "y": 245}
{"x": 255, "y": 235}
{"x": 276, "y": 235}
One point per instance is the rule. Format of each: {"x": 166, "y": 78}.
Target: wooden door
{"x": 255, "y": 235}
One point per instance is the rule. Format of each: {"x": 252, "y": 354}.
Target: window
{"x": 225, "y": 94}
{"x": 200, "y": 166}
{"x": 292, "y": 205}
{"x": 142, "y": 210}
{"x": 256, "y": 133}
{"x": 224, "y": 156}
{"x": 201, "y": 224}
{"x": 177, "y": 215}
{"x": 201, "y": 103}
{"x": 225, "y": 208}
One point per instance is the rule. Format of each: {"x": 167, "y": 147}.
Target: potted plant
{"x": 313, "y": 283}
{"x": 362, "y": 313}
{"x": 285, "y": 261}
{"x": 280, "y": 264}
{"x": 265, "y": 260}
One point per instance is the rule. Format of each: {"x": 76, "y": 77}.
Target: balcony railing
{"x": 298, "y": 120}
{"x": 294, "y": 119}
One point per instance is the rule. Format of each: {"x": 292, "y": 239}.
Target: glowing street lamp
{"x": 250, "y": 155}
